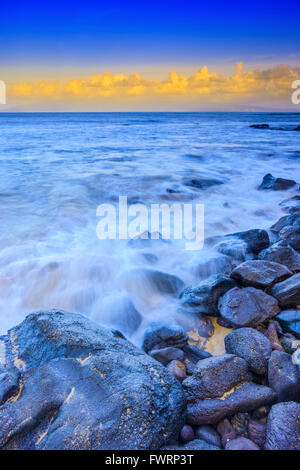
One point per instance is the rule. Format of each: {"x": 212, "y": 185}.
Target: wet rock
{"x": 221, "y": 386}
{"x": 216, "y": 264}
{"x": 187, "y": 434}
{"x": 252, "y": 346}
{"x": 164, "y": 282}
{"x": 247, "y": 307}
{"x": 255, "y": 239}
{"x": 288, "y": 292}
{"x": 284, "y": 377}
{"x": 289, "y": 343}
{"x": 208, "y": 434}
{"x": 283, "y": 428}
{"x": 196, "y": 444}
{"x": 271, "y": 334}
{"x": 159, "y": 336}
{"x": 241, "y": 443}
{"x": 226, "y": 431}
{"x": 204, "y": 296}
{"x": 282, "y": 253}
{"x": 201, "y": 183}
{"x": 260, "y": 274}
{"x": 84, "y": 387}
{"x": 123, "y": 315}
{"x": 290, "y": 321}
{"x": 257, "y": 432}
{"x": 276, "y": 184}
{"x": 240, "y": 422}
{"x": 166, "y": 355}
{"x": 291, "y": 205}
{"x": 178, "y": 370}
{"x": 260, "y": 126}
{"x": 261, "y": 412}
{"x": 291, "y": 234}
{"x": 193, "y": 354}
{"x": 233, "y": 248}
{"x": 9, "y": 384}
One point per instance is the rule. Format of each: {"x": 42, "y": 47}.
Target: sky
{"x": 149, "y": 55}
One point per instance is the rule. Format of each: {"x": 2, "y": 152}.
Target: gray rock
{"x": 85, "y": 387}
{"x": 252, "y": 346}
{"x": 284, "y": 377}
{"x": 166, "y": 355}
{"x": 282, "y": 253}
{"x": 204, "y": 296}
{"x": 260, "y": 274}
{"x": 247, "y": 307}
{"x": 241, "y": 443}
{"x": 283, "y": 427}
{"x": 221, "y": 386}
{"x": 288, "y": 292}
{"x": 159, "y": 335}
{"x": 276, "y": 184}
{"x": 290, "y": 321}
{"x": 208, "y": 434}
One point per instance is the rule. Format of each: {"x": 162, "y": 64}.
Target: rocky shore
{"x": 68, "y": 383}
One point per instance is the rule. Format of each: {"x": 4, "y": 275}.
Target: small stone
{"x": 290, "y": 321}
{"x": 187, "y": 434}
{"x": 276, "y": 184}
{"x": 261, "y": 412}
{"x": 260, "y": 274}
{"x": 208, "y": 434}
{"x": 241, "y": 443}
{"x": 283, "y": 427}
{"x": 177, "y": 369}
{"x": 284, "y": 377}
{"x": 257, "y": 432}
{"x": 166, "y": 355}
{"x": 271, "y": 334}
{"x": 226, "y": 431}
{"x": 240, "y": 423}
{"x": 252, "y": 346}
{"x": 247, "y": 307}
{"x": 291, "y": 235}
{"x": 288, "y": 292}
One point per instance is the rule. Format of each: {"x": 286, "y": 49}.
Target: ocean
{"x": 57, "y": 168}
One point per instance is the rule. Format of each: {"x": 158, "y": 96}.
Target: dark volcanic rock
{"x": 233, "y": 248}
{"x": 284, "y": 377}
{"x": 257, "y": 432}
{"x": 247, "y": 307}
{"x": 221, "y": 386}
{"x": 166, "y": 355}
{"x": 288, "y": 292}
{"x": 9, "y": 383}
{"x": 163, "y": 282}
{"x": 208, "y": 434}
{"x": 282, "y": 253}
{"x": 205, "y": 295}
{"x": 252, "y": 346}
{"x": 276, "y": 184}
{"x": 193, "y": 354}
{"x": 160, "y": 336}
{"x": 201, "y": 183}
{"x": 85, "y": 387}
{"x": 290, "y": 321}
{"x": 226, "y": 431}
{"x": 291, "y": 234}
{"x": 241, "y": 443}
{"x": 255, "y": 239}
{"x": 283, "y": 427}
{"x": 260, "y": 274}
{"x": 260, "y": 126}
{"x": 216, "y": 264}
{"x": 196, "y": 444}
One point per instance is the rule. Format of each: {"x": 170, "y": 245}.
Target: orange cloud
{"x": 209, "y": 86}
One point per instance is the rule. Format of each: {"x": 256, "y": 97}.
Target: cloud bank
{"x": 269, "y": 86}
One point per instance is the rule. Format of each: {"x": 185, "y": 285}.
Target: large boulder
{"x": 247, "y": 307}
{"x": 284, "y": 377}
{"x": 252, "y": 346}
{"x": 276, "y": 184}
{"x": 204, "y": 296}
{"x": 290, "y": 321}
{"x": 260, "y": 274}
{"x": 288, "y": 292}
{"x": 221, "y": 386}
{"x": 282, "y": 253}
{"x": 283, "y": 427}
{"x": 83, "y": 386}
